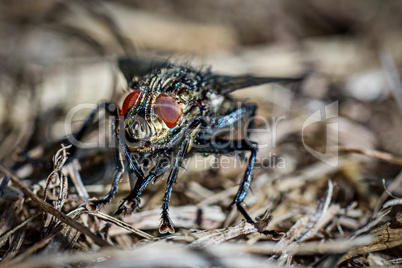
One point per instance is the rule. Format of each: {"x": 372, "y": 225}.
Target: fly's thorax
{"x": 214, "y": 101}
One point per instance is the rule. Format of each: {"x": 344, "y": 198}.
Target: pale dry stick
{"x": 59, "y": 159}
{"x": 120, "y": 223}
{"x": 294, "y": 232}
{"x": 172, "y": 255}
{"x": 49, "y": 209}
{"x": 388, "y": 191}
{"x": 284, "y": 217}
{"x": 396, "y": 261}
{"x": 307, "y": 248}
{"x": 32, "y": 249}
{"x": 387, "y": 157}
{"x": 337, "y": 223}
{"x": 60, "y": 180}
{"x": 243, "y": 228}
{"x": 4, "y": 237}
{"x": 152, "y": 255}
{"x": 386, "y": 236}
{"x": 73, "y": 171}
{"x": 325, "y": 215}
{"x": 393, "y": 202}
{"x": 310, "y": 173}
{"x": 323, "y": 219}
{"x": 71, "y": 234}
{"x": 201, "y": 192}
{"x": 15, "y": 244}
{"x": 218, "y": 197}
{"x": 379, "y": 218}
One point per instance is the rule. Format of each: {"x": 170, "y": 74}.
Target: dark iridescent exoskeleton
{"x": 172, "y": 112}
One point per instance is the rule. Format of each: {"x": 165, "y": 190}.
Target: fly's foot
{"x": 243, "y": 212}
{"x": 94, "y": 205}
{"x": 166, "y": 225}
{"x": 274, "y": 234}
{"x": 128, "y": 205}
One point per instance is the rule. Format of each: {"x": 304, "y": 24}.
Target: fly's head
{"x": 161, "y": 105}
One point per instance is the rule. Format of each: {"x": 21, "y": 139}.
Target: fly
{"x": 173, "y": 112}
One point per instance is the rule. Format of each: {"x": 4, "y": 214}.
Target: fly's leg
{"x": 133, "y": 167}
{"x": 132, "y": 201}
{"x": 245, "y": 182}
{"x": 94, "y": 204}
{"x": 166, "y": 224}
{"x": 110, "y": 109}
{"x": 247, "y": 110}
{"x": 225, "y": 146}
{"x": 117, "y": 127}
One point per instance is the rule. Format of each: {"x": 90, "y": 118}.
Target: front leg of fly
{"x": 132, "y": 201}
{"x": 133, "y": 167}
{"x": 110, "y": 109}
{"x": 166, "y": 223}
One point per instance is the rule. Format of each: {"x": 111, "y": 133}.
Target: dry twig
{"x": 51, "y": 210}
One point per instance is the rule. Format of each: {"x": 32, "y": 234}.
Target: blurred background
{"x": 55, "y": 55}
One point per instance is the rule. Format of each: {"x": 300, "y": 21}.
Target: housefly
{"x": 171, "y": 112}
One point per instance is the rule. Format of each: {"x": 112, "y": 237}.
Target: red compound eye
{"x": 168, "y": 110}
{"x": 130, "y": 101}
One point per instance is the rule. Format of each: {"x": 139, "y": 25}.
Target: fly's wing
{"x": 133, "y": 68}
{"x": 224, "y": 84}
